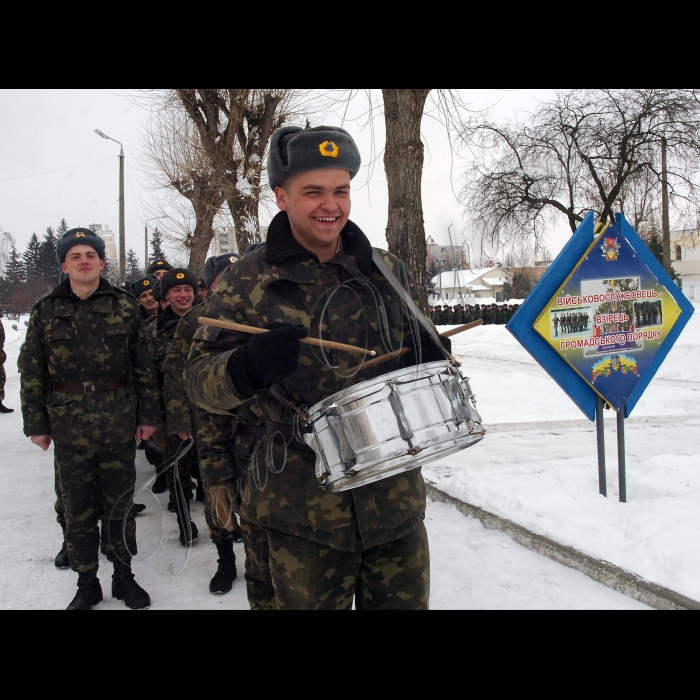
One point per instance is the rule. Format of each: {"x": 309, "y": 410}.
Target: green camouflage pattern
{"x": 3, "y": 358}
{"x": 392, "y": 576}
{"x": 258, "y": 579}
{"x": 282, "y": 492}
{"x": 97, "y": 486}
{"x": 100, "y": 339}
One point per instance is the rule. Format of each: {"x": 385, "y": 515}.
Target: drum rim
{"x": 339, "y": 396}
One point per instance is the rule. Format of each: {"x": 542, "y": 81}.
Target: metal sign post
{"x": 600, "y": 322}
{"x": 600, "y": 426}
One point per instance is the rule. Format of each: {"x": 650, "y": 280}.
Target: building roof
{"x": 470, "y": 278}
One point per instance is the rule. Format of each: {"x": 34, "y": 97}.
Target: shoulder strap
{"x": 378, "y": 259}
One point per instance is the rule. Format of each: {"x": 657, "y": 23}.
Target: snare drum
{"x": 392, "y": 424}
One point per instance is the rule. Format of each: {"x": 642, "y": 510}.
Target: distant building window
{"x": 679, "y": 253}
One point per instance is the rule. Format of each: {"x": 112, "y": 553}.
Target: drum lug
{"x": 401, "y": 420}
{"x": 347, "y": 454}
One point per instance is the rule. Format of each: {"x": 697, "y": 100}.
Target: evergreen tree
{"x": 157, "y": 252}
{"x": 49, "y": 266}
{"x": 32, "y": 259}
{"x": 133, "y": 270}
{"x": 654, "y": 241}
{"x": 61, "y": 230}
{"x": 14, "y": 273}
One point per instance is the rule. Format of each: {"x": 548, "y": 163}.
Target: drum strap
{"x": 392, "y": 279}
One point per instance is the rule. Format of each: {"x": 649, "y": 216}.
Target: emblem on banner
{"x": 611, "y": 249}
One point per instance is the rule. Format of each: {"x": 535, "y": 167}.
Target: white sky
{"x": 53, "y": 165}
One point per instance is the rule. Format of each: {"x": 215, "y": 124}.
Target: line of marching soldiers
{"x": 102, "y": 373}
{"x": 490, "y": 314}
{"x": 172, "y": 302}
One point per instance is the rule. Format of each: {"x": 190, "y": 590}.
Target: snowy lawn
{"x": 472, "y": 568}
{"x": 546, "y": 479}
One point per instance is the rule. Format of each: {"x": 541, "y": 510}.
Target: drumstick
{"x": 404, "y": 351}
{"x": 252, "y": 330}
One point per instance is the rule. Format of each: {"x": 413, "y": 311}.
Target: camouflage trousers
{"x": 258, "y": 579}
{"x": 309, "y": 576}
{"x": 97, "y": 486}
{"x": 180, "y": 474}
{"x": 218, "y": 511}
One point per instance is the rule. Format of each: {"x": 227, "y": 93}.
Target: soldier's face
{"x": 83, "y": 264}
{"x": 181, "y": 298}
{"x": 160, "y": 273}
{"x": 148, "y": 302}
{"x": 318, "y": 205}
{"x": 203, "y": 294}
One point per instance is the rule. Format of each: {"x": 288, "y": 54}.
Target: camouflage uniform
{"x": 224, "y": 454}
{"x": 285, "y": 283}
{"x": 101, "y": 339}
{"x": 162, "y": 330}
{"x": 3, "y": 357}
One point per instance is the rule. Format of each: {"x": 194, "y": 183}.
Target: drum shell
{"x": 392, "y": 424}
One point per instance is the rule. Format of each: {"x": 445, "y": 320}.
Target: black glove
{"x": 266, "y": 358}
{"x": 430, "y": 352}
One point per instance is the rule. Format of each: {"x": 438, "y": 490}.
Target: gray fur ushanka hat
{"x": 296, "y": 150}
{"x": 79, "y": 236}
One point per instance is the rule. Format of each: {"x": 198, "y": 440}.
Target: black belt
{"x": 90, "y": 387}
{"x": 272, "y": 430}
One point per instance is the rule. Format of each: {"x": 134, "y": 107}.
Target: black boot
{"x": 5, "y": 409}
{"x": 138, "y": 508}
{"x": 124, "y": 587}
{"x": 161, "y": 483}
{"x": 62, "y": 561}
{"x": 226, "y": 574}
{"x": 200, "y": 492}
{"x": 188, "y": 534}
{"x": 89, "y": 592}
{"x": 237, "y": 534}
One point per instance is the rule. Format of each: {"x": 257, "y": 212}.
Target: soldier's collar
{"x": 282, "y": 245}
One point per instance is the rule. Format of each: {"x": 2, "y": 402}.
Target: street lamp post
{"x": 122, "y": 231}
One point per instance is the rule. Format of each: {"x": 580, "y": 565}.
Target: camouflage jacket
{"x": 99, "y": 339}
{"x": 345, "y": 300}
{"x": 224, "y": 452}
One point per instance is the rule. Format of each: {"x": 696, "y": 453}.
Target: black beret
{"x": 175, "y": 278}
{"x": 215, "y": 266}
{"x": 145, "y": 284}
{"x": 159, "y": 265}
{"x": 79, "y": 236}
{"x": 295, "y": 150}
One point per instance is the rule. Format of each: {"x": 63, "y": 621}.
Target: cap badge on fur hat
{"x": 180, "y": 275}
{"x": 146, "y": 283}
{"x": 329, "y": 149}
{"x": 160, "y": 262}
{"x": 232, "y": 259}
{"x": 80, "y": 234}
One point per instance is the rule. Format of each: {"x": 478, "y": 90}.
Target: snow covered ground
{"x": 472, "y": 568}
{"x": 545, "y": 478}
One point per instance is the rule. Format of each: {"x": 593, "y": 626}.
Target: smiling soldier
{"x": 88, "y": 385}
{"x": 316, "y": 274}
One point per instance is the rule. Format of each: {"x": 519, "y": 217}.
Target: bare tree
{"x": 178, "y": 162}
{"x": 584, "y": 150}
{"x": 235, "y": 127}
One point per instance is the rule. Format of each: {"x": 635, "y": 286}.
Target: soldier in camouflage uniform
{"x": 3, "y": 357}
{"x": 326, "y": 549}
{"x": 224, "y": 453}
{"x": 88, "y": 385}
{"x": 178, "y": 287}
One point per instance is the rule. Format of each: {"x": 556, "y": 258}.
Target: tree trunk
{"x": 199, "y": 242}
{"x": 665, "y": 205}
{"x": 245, "y": 221}
{"x": 403, "y": 163}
